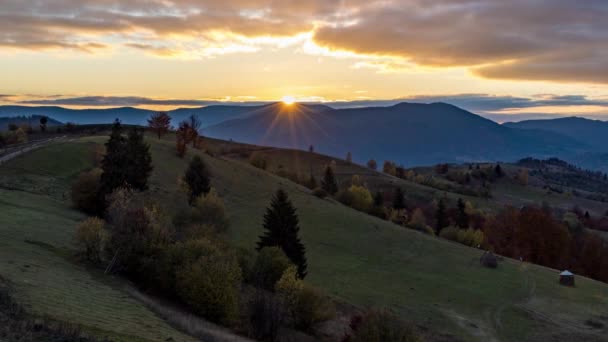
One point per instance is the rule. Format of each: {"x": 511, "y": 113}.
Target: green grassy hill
{"x": 357, "y": 258}
{"x": 505, "y": 191}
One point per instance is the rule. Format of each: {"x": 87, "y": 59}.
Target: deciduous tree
{"x": 159, "y": 123}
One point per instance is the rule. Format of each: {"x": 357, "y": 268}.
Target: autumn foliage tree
{"x": 372, "y": 164}
{"x": 159, "y": 123}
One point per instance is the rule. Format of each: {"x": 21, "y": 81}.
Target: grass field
{"x": 36, "y": 230}
{"x": 362, "y": 260}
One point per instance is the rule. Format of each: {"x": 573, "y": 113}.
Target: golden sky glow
{"x": 178, "y": 53}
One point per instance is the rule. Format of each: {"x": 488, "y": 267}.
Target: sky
{"x": 499, "y": 58}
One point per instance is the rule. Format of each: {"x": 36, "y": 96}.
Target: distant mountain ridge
{"x": 591, "y": 132}
{"x": 208, "y": 115}
{"x": 409, "y": 133}
{"x": 33, "y": 121}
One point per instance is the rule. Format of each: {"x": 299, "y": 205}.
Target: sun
{"x": 288, "y": 100}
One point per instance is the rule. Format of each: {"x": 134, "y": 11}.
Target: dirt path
{"x": 26, "y": 148}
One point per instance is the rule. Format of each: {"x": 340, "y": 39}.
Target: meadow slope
{"x": 357, "y": 258}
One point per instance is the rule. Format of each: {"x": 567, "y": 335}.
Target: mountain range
{"x": 407, "y": 133}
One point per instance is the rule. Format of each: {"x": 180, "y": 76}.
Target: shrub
{"x": 209, "y": 209}
{"x": 319, "y": 192}
{"x": 90, "y": 238}
{"x": 138, "y": 234}
{"x": 469, "y": 237}
{"x": 266, "y": 314}
{"x": 85, "y": 192}
{"x": 361, "y": 198}
{"x": 257, "y": 160}
{"x": 180, "y": 147}
{"x": 246, "y": 259}
{"x": 178, "y": 254}
{"x": 449, "y": 233}
{"x": 210, "y": 286}
{"x": 345, "y": 197}
{"x": 306, "y": 304}
{"x": 269, "y": 266}
{"x": 20, "y": 136}
{"x": 381, "y": 326}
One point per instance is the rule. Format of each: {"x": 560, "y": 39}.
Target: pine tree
{"x": 139, "y": 166}
{"x": 349, "y": 157}
{"x": 498, "y": 170}
{"x": 378, "y": 199}
{"x": 43, "y": 122}
{"x": 462, "y": 220}
{"x": 281, "y": 226}
{"x": 115, "y": 162}
{"x": 197, "y": 178}
{"x": 398, "y": 199}
{"x": 441, "y": 217}
{"x": 329, "y": 183}
{"x": 312, "y": 182}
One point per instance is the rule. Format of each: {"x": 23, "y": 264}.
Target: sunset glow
{"x": 168, "y": 54}
{"x": 288, "y": 100}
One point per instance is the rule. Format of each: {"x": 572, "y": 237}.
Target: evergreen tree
{"x": 329, "y": 183}
{"x": 398, "y": 200}
{"x": 43, "y": 121}
{"x": 441, "y": 217}
{"x": 115, "y": 162}
{"x": 462, "y": 220}
{"x": 312, "y": 182}
{"x": 139, "y": 166}
{"x": 349, "y": 157}
{"x": 498, "y": 170}
{"x": 378, "y": 199}
{"x": 197, "y": 178}
{"x": 281, "y": 226}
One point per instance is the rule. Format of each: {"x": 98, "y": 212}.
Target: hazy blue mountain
{"x": 33, "y": 121}
{"x": 209, "y": 115}
{"x": 591, "y": 132}
{"x": 409, "y": 133}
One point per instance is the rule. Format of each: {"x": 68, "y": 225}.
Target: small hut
{"x": 566, "y": 278}
{"x": 488, "y": 259}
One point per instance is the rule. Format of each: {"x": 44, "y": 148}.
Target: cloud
{"x": 554, "y": 40}
{"x": 517, "y": 39}
{"x": 127, "y": 101}
{"x": 484, "y": 104}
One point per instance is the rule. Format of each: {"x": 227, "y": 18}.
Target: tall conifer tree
{"x": 197, "y": 178}
{"x": 139, "y": 165}
{"x": 281, "y": 226}
{"x": 398, "y": 200}
{"x": 441, "y": 217}
{"x": 114, "y": 163}
{"x": 462, "y": 220}
{"x": 329, "y": 183}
